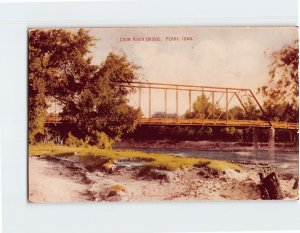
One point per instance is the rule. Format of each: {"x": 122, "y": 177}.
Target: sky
{"x": 212, "y": 56}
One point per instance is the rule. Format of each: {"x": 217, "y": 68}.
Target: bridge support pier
{"x": 271, "y": 144}
{"x": 255, "y": 139}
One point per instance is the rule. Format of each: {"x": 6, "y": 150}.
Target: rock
{"x": 112, "y": 193}
{"x": 109, "y": 166}
{"x": 99, "y": 174}
{"x": 286, "y": 176}
{"x": 296, "y": 184}
{"x": 150, "y": 173}
{"x": 223, "y": 179}
{"x": 217, "y": 186}
{"x": 202, "y": 173}
{"x": 263, "y": 164}
{"x": 207, "y": 172}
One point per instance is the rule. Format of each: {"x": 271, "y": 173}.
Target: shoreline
{"x": 57, "y": 179}
{"x": 203, "y": 145}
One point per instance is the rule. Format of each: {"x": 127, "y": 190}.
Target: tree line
{"x": 213, "y": 133}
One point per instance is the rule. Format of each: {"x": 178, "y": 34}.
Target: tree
{"x": 202, "y": 108}
{"x": 57, "y": 67}
{"x": 282, "y": 92}
{"x": 102, "y": 103}
{"x": 91, "y": 96}
{"x": 236, "y": 113}
{"x": 253, "y": 112}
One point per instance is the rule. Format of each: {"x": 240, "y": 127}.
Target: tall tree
{"x": 91, "y": 100}
{"x": 282, "y": 92}
{"x": 202, "y": 108}
{"x": 58, "y": 65}
{"x": 253, "y": 111}
{"x": 236, "y": 113}
{"x": 102, "y": 103}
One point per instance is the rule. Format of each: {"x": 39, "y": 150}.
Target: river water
{"x": 286, "y": 162}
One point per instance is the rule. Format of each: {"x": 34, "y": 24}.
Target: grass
{"x": 159, "y": 161}
{"x": 118, "y": 188}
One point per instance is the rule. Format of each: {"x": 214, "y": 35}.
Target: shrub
{"x": 108, "y": 166}
{"x": 118, "y": 188}
{"x": 103, "y": 141}
{"x": 72, "y": 140}
{"x": 86, "y": 142}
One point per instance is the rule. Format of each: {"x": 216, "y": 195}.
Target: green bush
{"x": 71, "y": 140}
{"x": 103, "y": 141}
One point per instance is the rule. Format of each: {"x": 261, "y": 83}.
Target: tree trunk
{"x": 270, "y": 187}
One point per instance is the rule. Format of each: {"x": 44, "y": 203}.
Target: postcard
{"x": 163, "y": 113}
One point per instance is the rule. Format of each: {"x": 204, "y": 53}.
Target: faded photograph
{"x": 163, "y": 113}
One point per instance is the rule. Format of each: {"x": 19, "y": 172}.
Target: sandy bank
{"x": 59, "y": 180}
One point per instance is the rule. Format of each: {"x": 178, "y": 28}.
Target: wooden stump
{"x": 270, "y": 187}
{"x": 296, "y": 184}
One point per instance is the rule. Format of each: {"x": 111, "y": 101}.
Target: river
{"x": 286, "y": 162}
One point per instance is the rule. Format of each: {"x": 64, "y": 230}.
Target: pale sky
{"x": 216, "y": 56}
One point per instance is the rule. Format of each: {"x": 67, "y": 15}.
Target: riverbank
{"x": 69, "y": 177}
{"x": 203, "y": 145}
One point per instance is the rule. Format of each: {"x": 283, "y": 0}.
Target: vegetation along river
{"x": 286, "y": 162}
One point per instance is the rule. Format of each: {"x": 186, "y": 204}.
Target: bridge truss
{"x": 215, "y": 95}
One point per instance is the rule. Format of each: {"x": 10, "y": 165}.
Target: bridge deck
{"x": 214, "y": 122}
{"x": 207, "y": 122}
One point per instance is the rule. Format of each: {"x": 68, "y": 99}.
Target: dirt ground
{"x": 60, "y": 180}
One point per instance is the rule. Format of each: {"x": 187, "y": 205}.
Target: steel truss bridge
{"x": 219, "y": 97}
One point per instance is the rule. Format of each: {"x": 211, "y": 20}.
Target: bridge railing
{"x": 208, "y": 122}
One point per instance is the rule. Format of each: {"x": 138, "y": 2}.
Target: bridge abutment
{"x": 271, "y": 139}
{"x": 255, "y": 139}
{"x": 271, "y": 142}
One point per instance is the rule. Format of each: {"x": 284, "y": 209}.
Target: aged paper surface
{"x": 173, "y": 113}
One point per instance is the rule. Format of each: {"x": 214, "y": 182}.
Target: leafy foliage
{"x": 236, "y": 112}
{"x": 101, "y": 104}
{"x": 282, "y": 92}
{"x": 60, "y": 68}
{"x": 72, "y": 141}
{"x": 202, "y": 108}
{"x": 252, "y": 110}
{"x": 103, "y": 141}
